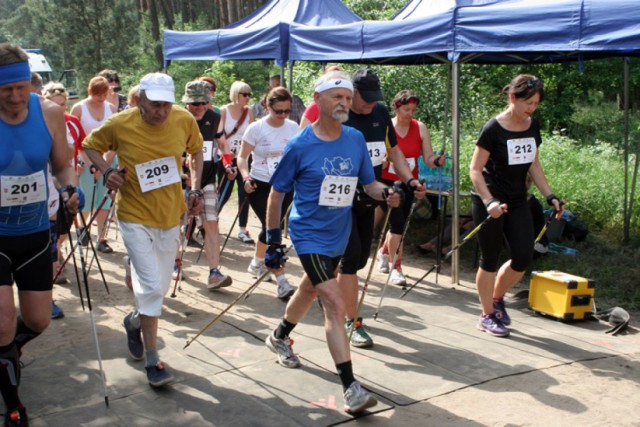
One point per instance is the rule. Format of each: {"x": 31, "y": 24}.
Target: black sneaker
{"x": 84, "y": 237}
{"x": 134, "y": 339}
{"x": 104, "y": 247}
{"x": 158, "y": 375}
{"x": 193, "y": 243}
{"x": 16, "y": 418}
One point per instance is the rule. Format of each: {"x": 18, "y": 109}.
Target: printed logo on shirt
{"x": 337, "y": 166}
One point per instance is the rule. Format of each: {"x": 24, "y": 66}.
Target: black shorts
{"x": 319, "y": 268}
{"x": 357, "y": 252}
{"x": 27, "y": 260}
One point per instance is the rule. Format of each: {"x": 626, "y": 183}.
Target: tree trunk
{"x": 231, "y": 12}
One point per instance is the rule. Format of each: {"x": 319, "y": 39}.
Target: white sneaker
{"x": 540, "y": 248}
{"x": 383, "y": 262}
{"x": 244, "y": 237}
{"x": 285, "y": 290}
{"x": 258, "y": 271}
{"x": 397, "y": 278}
{"x": 357, "y": 399}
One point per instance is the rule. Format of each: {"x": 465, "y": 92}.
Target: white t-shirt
{"x": 268, "y": 145}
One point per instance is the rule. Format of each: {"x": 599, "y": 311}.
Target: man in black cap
{"x": 372, "y": 119}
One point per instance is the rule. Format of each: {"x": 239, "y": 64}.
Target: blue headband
{"x": 16, "y": 72}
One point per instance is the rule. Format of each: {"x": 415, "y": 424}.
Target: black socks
{"x": 345, "y": 370}
{"x": 10, "y": 376}
{"x": 284, "y": 329}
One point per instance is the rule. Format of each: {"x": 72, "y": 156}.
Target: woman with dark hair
{"x": 414, "y": 141}
{"x": 507, "y": 149}
{"x": 114, "y": 96}
{"x": 265, "y": 140}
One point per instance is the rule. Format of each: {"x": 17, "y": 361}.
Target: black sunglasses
{"x": 198, "y": 104}
{"x": 245, "y": 94}
{"x": 113, "y": 80}
{"x": 211, "y": 88}
{"x": 534, "y": 83}
{"x": 56, "y": 91}
{"x": 287, "y": 111}
{"x": 407, "y": 100}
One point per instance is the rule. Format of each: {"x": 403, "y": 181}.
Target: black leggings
{"x": 258, "y": 201}
{"x": 399, "y": 215}
{"x": 516, "y": 226}
{"x": 227, "y": 189}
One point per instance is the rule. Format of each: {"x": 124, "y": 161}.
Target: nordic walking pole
{"x": 77, "y": 243}
{"x": 75, "y": 267}
{"x": 373, "y": 261}
{"x": 93, "y": 249}
{"x": 446, "y": 257}
{"x": 103, "y": 235}
{"x": 183, "y": 246}
{"x": 93, "y": 321}
{"x": 546, "y": 224}
{"x": 226, "y": 239}
{"x": 395, "y": 256}
{"x": 244, "y": 295}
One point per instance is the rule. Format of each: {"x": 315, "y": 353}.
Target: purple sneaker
{"x": 501, "y": 312}
{"x": 490, "y": 324}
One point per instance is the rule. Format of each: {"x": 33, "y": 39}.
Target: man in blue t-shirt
{"x": 323, "y": 165}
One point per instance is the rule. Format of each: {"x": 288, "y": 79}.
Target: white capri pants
{"x": 152, "y": 252}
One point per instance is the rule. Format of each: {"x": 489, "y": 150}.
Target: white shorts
{"x": 210, "y": 202}
{"x": 152, "y": 252}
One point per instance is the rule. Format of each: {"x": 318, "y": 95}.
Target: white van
{"x": 39, "y": 64}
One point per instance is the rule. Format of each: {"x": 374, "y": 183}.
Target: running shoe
{"x": 285, "y": 290}
{"x": 284, "y": 349}
{"x": 357, "y": 399}
{"x": 84, "y": 237}
{"x": 177, "y": 272}
{"x": 61, "y": 280}
{"x": 104, "y": 247}
{"x": 383, "y": 262}
{"x": 359, "y": 338}
{"x": 501, "y": 312}
{"x": 218, "y": 280}
{"x": 127, "y": 271}
{"x": 16, "y": 418}
{"x": 244, "y": 237}
{"x": 134, "y": 339}
{"x": 158, "y": 375}
{"x": 56, "y": 312}
{"x": 490, "y": 324}
{"x": 193, "y": 243}
{"x": 397, "y": 278}
{"x": 258, "y": 270}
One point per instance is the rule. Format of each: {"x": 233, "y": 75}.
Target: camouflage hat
{"x": 197, "y": 91}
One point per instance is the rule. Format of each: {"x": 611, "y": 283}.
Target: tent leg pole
{"x": 455, "y": 169}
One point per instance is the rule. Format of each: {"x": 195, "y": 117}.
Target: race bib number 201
{"x": 157, "y": 173}
{"x": 23, "y": 190}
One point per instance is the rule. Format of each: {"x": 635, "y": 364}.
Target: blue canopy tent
{"x": 262, "y": 35}
{"x": 480, "y": 31}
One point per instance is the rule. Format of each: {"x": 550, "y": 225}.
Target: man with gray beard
{"x": 324, "y": 163}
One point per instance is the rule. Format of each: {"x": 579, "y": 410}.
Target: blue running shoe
{"x": 501, "y": 312}
{"x": 490, "y": 324}
{"x": 56, "y": 312}
{"x": 134, "y": 339}
{"x": 158, "y": 375}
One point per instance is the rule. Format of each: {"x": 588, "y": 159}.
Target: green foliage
{"x": 375, "y": 9}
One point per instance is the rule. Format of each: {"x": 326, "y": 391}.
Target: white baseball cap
{"x": 158, "y": 87}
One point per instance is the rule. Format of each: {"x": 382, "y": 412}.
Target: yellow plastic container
{"x": 561, "y": 295}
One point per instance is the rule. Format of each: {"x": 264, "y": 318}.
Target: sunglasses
{"x": 535, "y": 83}
{"x": 113, "y": 80}
{"x": 198, "y": 104}
{"x": 407, "y": 100}
{"x": 280, "y": 112}
{"x": 212, "y": 88}
{"x": 56, "y": 91}
{"x": 248, "y": 95}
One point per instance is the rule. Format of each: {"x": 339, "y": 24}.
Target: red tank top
{"x": 411, "y": 147}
